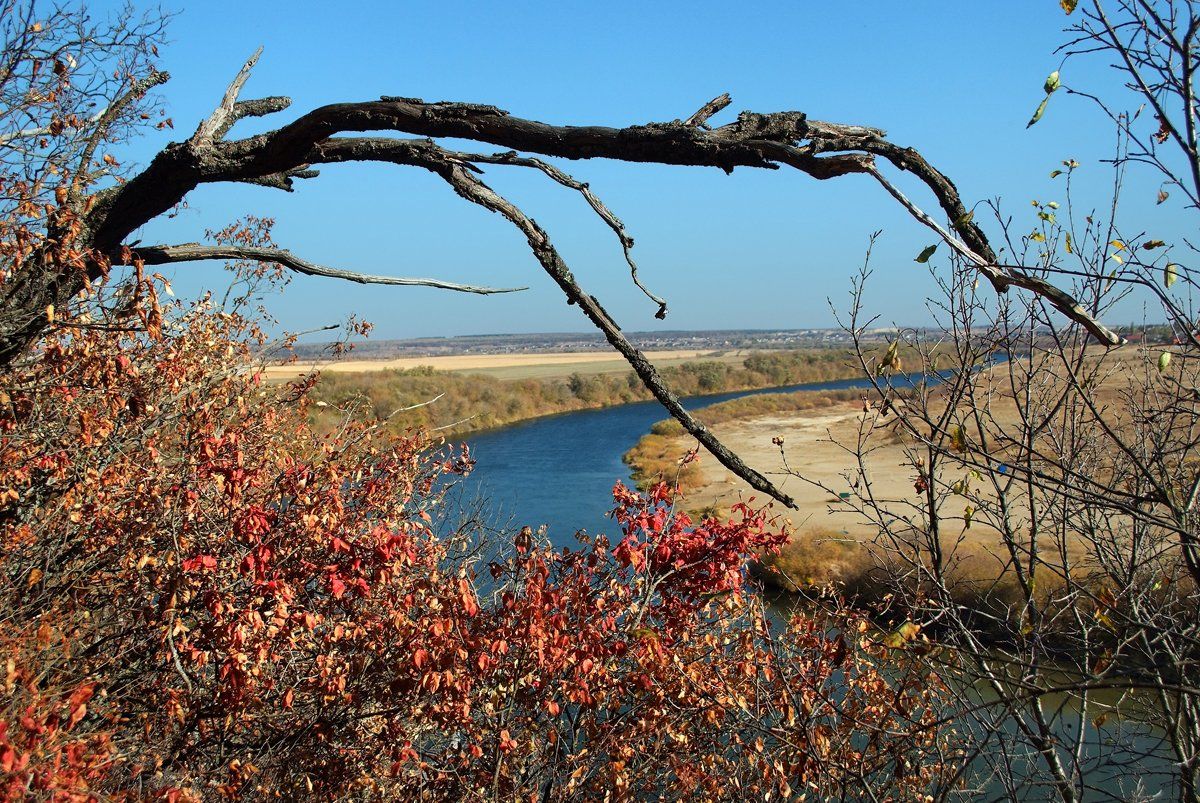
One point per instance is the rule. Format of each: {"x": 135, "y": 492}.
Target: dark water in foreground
{"x": 559, "y": 471}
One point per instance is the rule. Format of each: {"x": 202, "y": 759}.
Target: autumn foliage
{"x": 202, "y": 598}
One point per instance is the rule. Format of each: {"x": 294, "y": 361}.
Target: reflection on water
{"x": 1117, "y": 755}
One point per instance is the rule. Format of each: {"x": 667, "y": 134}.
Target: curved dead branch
{"x": 822, "y": 150}
{"x": 192, "y": 252}
{"x": 468, "y": 186}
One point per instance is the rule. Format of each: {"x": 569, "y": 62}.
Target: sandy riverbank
{"x": 827, "y": 536}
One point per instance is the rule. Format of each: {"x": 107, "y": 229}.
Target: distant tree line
{"x": 472, "y": 402}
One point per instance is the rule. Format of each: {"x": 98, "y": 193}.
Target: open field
{"x": 819, "y": 434}
{"x": 505, "y": 366}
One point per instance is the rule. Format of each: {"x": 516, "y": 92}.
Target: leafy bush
{"x": 203, "y": 597}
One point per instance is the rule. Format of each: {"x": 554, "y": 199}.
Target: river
{"x": 559, "y": 471}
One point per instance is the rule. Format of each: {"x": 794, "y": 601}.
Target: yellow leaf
{"x": 958, "y": 439}
{"x": 1037, "y": 114}
{"x": 1170, "y": 274}
{"x": 50, "y": 313}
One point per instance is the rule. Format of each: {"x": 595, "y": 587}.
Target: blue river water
{"x": 559, "y": 471}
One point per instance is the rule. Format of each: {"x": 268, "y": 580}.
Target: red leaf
{"x": 200, "y": 562}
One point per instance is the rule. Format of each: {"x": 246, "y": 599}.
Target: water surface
{"x": 559, "y": 471}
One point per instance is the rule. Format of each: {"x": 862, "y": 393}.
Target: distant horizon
{"x": 631, "y": 332}
{"x": 730, "y": 251}
{"x": 597, "y": 335}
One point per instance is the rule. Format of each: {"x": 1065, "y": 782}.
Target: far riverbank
{"x": 464, "y": 401}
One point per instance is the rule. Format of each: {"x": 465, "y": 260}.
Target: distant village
{"x": 560, "y": 342}
{"x": 711, "y": 340}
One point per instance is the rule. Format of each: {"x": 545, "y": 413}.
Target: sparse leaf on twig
{"x": 1170, "y": 274}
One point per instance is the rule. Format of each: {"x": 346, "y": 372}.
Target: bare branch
{"x": 109, "y": 115}
{"x": 223, "y": 117}
{"x": 283, "y": 181}
{"x": 45, "y": 130}
{"x": 700, "y": 118}
{"x": 820, "y": 149}
{"x": 1062, "y": 301}
{"x": 467, "y": 185}
{"x": 610, "y": 219}
{"x": 168, "y": 254}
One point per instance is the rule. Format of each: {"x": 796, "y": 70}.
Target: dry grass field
{"x": 828, "y": 538}
{"x": 478, "y": 392}
{"x": 505, "y": 366}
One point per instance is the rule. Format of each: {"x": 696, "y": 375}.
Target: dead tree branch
{"x": 192, "y": 252}
{"x": 610, "y": 220}
{"x": 819, "y": 149}
{"x": 467, "y": 185}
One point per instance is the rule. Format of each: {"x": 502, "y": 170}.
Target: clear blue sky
{"x": 758, "y": 249}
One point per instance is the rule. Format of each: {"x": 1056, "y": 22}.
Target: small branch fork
{"x": 820, "y": 149}
{"x": 602, "y": 211}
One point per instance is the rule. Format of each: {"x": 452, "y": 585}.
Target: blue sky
{"x": 757, "y": 249}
